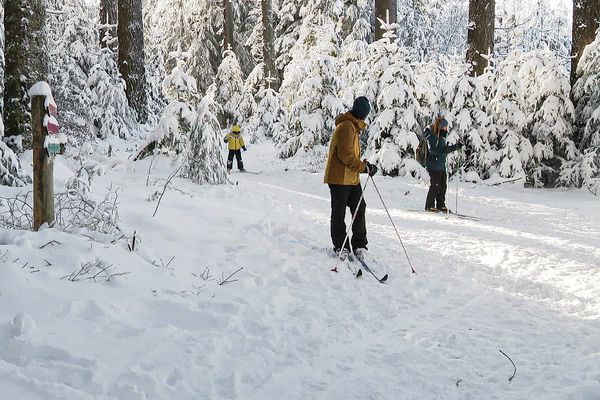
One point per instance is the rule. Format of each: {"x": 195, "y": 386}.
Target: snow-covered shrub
{"x": 203, "y": 161}
{"x": 10, "y": 167}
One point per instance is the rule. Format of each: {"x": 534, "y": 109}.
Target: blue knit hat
{"x": 361, "y": 107}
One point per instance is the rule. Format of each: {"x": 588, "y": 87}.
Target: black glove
{"x": 244, "y": 148}
{"x": 371, "y": 169}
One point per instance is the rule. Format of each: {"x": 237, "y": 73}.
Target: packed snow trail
{"x": 525, "y": 280}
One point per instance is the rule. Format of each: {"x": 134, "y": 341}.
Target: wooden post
{"x": 43, "y": 167}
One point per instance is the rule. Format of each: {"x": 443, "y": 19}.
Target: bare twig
{"x": 132, "y": 247}
{"x": 52, "y": 242}
{"x": 595, "y": 193}
{"x": 514, "y": 366}
{"x": 166, "y": 266}
{"x": 47, "y": 262}
{"x": 228, "y": 279}
{"x": 150, "y": 169}
{"x": 166, "y": 185}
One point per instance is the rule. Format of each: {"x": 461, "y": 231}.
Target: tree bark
{"x": 383, "y": 10}
{"x": 480, "y": 37}
{"x": 227, "y": 26}
{"x": 108, "y": 17}
{"x": 586, "y": 14}
{"x": 130, "y": 33}
{"x": 43, "y": 168}
{"x": 26, "y": 63}
{"x": 267, "y": 31}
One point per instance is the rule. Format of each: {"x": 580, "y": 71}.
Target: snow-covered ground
{"x": 525, "y": 280}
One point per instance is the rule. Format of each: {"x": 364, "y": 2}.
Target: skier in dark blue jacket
{"x": 436, "y": 164}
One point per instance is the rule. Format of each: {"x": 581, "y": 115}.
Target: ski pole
{"x": 458, "y": 180}
{"x": 351, "y": 223}
{"x": 392, "y": 221}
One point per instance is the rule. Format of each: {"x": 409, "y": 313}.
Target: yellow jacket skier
{"x": 235, "y": 143}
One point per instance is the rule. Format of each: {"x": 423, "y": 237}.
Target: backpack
{"x": 422, "y": 152}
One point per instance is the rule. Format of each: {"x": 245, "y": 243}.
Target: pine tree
{"x": 481, "y": 34}
{"x": 173, "y": 132}
{"x": 203, "y": 161}
{"x": 311, "y": 88}
{"x": 392, "y": 136}
{"x": 585, "y": 169}
{"x": 270, "y": 119}
{"x": 72, "y": 57}
{"x": 131, "y": 55}
{"x": 26, "y": 64}
{"x": 230, "y": 92}
{"x": 110, "y": 111}
{"x": 508, "y": 106}
{"x": 550, "y": 115}
{"x": 470, "y": 123}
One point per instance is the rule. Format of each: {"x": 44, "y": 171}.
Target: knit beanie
{"x": 361, "y": 107}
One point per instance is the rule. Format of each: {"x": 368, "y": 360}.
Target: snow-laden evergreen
{"x": 585, "y": 169}
{"x": 230, "y": 93}
{"x": 470, "y": 123}
{"x": 545, "y": 82}
{"x": 110, "y": 111}
{"x": 508, "y": 107}
{"x": 270, "y": 119}
{"x": 393, "y": 134}
{"x": 311, "y": 87}
{"x": 172, "y": 134}
{"x": 203, "y": 162}
{"x": 73, "y": 54}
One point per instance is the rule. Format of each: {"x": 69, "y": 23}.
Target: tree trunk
{"x": 267, "y": 31}
{"x": 130, "y": 33}
{"x": 227, "y": 25}
{"x": 43, "y": 168}
{"x": 480, "y": 37}
{"x": 24, "y": 19}
{"x": 108, "y": 17}
{"x": 586, "y": 14}
{"x": 384, "y": 9}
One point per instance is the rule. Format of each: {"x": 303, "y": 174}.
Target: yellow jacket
{"x": 234, "y": 141}
{"x": 343, "y": 162}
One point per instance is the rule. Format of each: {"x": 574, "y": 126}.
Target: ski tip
{"x": 384, "y": 279}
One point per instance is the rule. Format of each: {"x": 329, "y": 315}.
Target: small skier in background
{"x": 235, "y": 144}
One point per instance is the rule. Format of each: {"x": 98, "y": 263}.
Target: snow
{"x": 524, "y": 280}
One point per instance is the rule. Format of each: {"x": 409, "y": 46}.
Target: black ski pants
{"x": 238, "y": 157}
{"x": 436, "y": 197}
{"x": 343, "y": 196}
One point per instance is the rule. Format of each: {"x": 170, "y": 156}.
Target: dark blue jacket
{"x": 438, "y": 150}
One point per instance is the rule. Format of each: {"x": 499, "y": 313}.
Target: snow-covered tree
{"x": 132, "y": 56}
{"x": 585, "y": 169}
{"x": 269, "y": 120}
{"x": 110, "y": 111}
{"x": 229, "y": 91}
{"x": 508, "y": 107}
{"x": 10, "y": 167}
{"x": 470, "y": 123}
{"x": 26, "y": 64}
{"x": 203, "y": 161}
{"x": 311, "y": 87}
{"x": 546, "y": 87}
{"x": 392, "y": 136}
{"x": 72, "y": 56}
